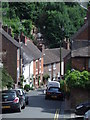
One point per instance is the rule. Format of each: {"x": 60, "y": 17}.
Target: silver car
{"x": 87, "y": 115}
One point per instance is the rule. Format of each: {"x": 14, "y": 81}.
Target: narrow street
{"x": 38, "y": 107}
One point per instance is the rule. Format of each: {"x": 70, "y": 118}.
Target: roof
{"x": 34, "y": 51}
{"x": 53, "y": 55}
{"x": 27, "y": 57}
{"x": 12, "y": 40}
{"x": 80, "y": 31}
{"x": 81, "y": 52}
{"x": 76, "y": 44}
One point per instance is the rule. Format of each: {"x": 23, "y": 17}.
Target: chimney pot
{"x": 10, "y": 31}
{"x": 16, "y": 37}
{"x": 5, "y": 28}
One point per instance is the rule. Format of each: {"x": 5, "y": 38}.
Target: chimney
{"x": 23, "y": 39}
{"x": 10, "y": 31}
{"x": 5, "y": 28}
{"x": 16, "y": 37}
{"x": 68, "y": 44}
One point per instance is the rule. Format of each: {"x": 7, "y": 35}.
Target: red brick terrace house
{"x": 80, "y": 54}
{"x": 52, "y": 62}
{"x": 37, "y": 62}
{"x": 11, "y": 60}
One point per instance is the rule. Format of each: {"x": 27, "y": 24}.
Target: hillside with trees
{"x": 54, "y": 20}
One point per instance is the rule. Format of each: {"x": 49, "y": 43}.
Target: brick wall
{"x": 80, "y": 63}
{"x": 10, "y": 60}
{"x": 84, "y": 35}
{"x": 79, "y": 95}
{"x": 46, "y": 70}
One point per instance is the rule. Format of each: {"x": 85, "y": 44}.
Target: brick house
{"x": 52, "y": 62}
{"x": 80, "y": 54}
{"x": 11, "y": 60}
{"x": 36, "y": 59}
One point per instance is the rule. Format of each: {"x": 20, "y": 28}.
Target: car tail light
{"x": 16, "y": 100}
{"x": 60, "y": 94}
{"x": 48, "y": 93}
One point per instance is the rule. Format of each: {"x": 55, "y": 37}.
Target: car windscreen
{"x": 54, "y": 89}
{"x": 8, "y": 96}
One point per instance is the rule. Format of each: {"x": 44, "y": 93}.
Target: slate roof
{"x": 81, "y": 52}
{"x": 12, "y": 40}
{"x": 34, "y": 51}
{"x": 80, "y": 43}
{"x": 53, "y": 55}
{"x": 25, "y": 52}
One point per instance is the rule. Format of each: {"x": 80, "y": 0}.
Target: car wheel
{"x": 23, "y": 106}
{"x": 27, "y": 102}
{"x": 19, "y": 109}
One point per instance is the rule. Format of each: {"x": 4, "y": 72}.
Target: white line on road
{"x": 56, "y": 114}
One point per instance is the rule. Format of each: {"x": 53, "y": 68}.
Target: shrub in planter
{"x": 27, "y": 87}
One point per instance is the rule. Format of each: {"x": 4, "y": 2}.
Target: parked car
{"x": 82, "y": 108}
{"x": 53, "y": 84}
{"x": 55, "y": 93}
{"x": 11, "y": 100}
{"x": 26, "y": 97}
{"x": 23, "y": 97}
{"x": 87, "y": 115}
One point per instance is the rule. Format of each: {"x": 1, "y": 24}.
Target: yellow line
{"x": 56, "y": 114}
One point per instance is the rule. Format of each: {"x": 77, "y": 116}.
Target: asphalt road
{"x": 39, "y": 108}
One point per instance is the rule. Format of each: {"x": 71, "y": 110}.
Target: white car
{"x": 87, "y": 115}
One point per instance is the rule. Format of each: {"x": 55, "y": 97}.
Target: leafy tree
{"x": 6, "y": 79}
{"x": 49, "y": 17}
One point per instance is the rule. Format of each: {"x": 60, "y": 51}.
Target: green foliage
{"x": 50, "y": 17}
{"x": 46, "y": 76}
{"x": 27, "y": 87}
{"x": 78, "y": 79}
{"x": 6, "y": 79}
{"x": 21, "y": 81}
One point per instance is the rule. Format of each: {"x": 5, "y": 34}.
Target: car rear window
{"x": 54, "y": 89}
{"x": 8, "y": 96}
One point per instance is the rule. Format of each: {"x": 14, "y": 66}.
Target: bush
{"x": 27, "y": 87}
{"x": 78, "y": 79}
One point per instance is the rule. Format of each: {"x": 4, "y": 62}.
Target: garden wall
{"x": 79, "y": 95}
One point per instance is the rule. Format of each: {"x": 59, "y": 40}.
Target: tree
{"x": 50, "y": 18}
{"x": 6, "y": 79}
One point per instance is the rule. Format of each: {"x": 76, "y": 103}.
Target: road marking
{"x": 56, "y": 114}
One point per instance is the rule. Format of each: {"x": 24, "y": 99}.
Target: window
{"x": 89, "y": 63}
{"x": 49, "y": 67}
{"x": 54, "y": 66}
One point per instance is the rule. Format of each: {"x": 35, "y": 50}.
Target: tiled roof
{"x": 53, "y": 55}
{"x": 76, "y": 44}
{"x": 81, "y": 52}
{"x": 27, "y": 58}
{"x": 13, "y": 41}
{"x": 34, "y": 51}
